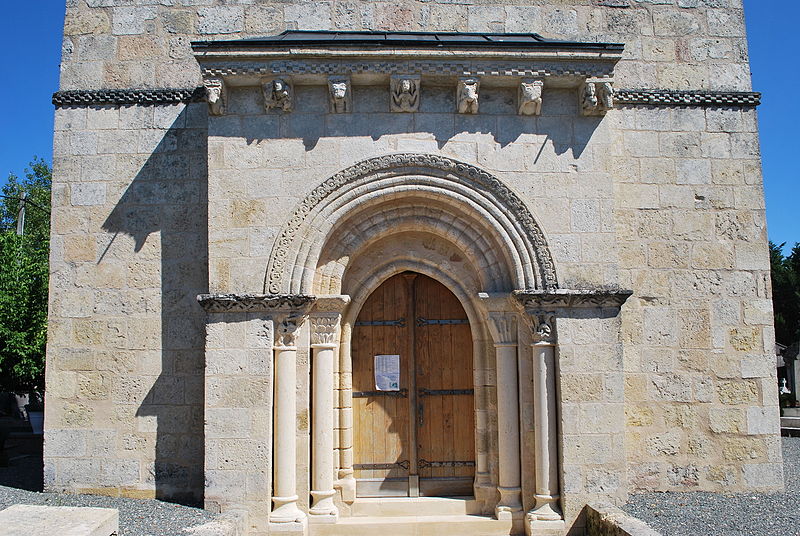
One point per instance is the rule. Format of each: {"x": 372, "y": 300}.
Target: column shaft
{"x": 322, "y": 432}
{"x": 545, "y": 430}
{"x": 284, "y": 498}
{"x": 508, "y": 432}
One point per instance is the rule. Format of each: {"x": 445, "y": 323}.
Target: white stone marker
{"x": 62, "y": 520}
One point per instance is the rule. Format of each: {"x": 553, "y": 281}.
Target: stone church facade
{"x": 325, "y": 280}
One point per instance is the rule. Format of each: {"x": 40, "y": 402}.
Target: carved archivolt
{"x": 292, "y": 238}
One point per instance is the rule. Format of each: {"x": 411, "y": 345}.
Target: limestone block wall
{"x": 674, "y": 44}
{"x": 238, "y": 414}
{"x": 701, "y": 392}
{"x": 125, "y": 342}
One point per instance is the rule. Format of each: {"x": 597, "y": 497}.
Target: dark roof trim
{"x": 622, "y": 97}
{"x": 129, "y": 96}
{"x": 417, "y": 40}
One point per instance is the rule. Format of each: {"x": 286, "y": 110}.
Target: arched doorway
{"x": 413, "y": 391}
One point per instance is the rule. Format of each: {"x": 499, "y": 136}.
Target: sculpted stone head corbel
{"x": 340, "y": 95}
{"x": 278, "y": 94}
{"x": 530, "y": 97}
{"x": 467, "y": 95}
{"x": 216, "y": 95}
{"x": 596, "y": 96}
{"x": 404, "y": 93}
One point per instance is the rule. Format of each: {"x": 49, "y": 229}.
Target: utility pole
{"x": 21, "y": 214}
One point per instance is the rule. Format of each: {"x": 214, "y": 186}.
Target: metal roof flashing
{"x": 376, "y": 40}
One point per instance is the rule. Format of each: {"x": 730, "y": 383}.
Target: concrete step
{"x": 791, "y": 412}
{"x": 452, "y": 525}
{"x": 790, "y": 422}
{"x": 415, "y": 506}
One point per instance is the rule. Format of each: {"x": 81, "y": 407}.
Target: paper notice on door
{"x": 387, "y": 372}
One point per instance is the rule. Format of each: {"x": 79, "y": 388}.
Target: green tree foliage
{"x": 23, "y": 279}
{"x": 786, "y": 292}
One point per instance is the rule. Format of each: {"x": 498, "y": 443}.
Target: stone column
{"x": 346, "y": 481}
{"x": 324, "y": 330}
{"x": 545, "y": 420}
{"x": 503, "y": 327}
{"x": 284, "y": 491}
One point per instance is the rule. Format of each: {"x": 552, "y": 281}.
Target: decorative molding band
{"x": 246, "y": 303}
{"x": 623, "y": 97}
{"x": 129, "y": 96}
{"x": 466, "y": 68}
{"x": 567, "y": 298}
{"x": 665, "y": 97}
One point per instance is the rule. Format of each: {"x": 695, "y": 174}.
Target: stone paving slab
{"x": 33, "y": 520}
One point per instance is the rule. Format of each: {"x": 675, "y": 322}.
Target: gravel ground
{"x": 741, "y": 514}
{"x": 21, "y": 483}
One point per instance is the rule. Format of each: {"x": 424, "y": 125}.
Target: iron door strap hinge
{"x": 402, "y": 393}
{"x": 422, "y": 464}
{"x": 421, "y": 321}
{"x": 400, "y": 322}
{"x": 444, "y": 392}
{"x": 405, "y": 464}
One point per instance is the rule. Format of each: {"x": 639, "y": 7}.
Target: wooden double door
{"x": 413, "y": 399}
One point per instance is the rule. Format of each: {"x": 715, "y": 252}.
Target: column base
{"x": 347, "y": 485}
{"x": 510, "y": 505}
{"x": 323, "y": 509}
{"x": 285, "y": 511}
{"x": 537, "y": 527}
{"x": 546, "y": 508}
{"x": 295, "y": 528}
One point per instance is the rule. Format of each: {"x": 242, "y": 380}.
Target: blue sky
{"x": 30, "y": 41}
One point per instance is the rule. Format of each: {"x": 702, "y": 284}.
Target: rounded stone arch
{"x": 434, "y": 200}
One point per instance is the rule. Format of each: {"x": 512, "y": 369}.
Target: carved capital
{"x": 340, "y": 95}
{"x": 324, "y": 329}
{"x": 596, "y": 96}
{"x": 286, "y": 329}
{"x": 543, "y": 325}
{"x": 467, "y": 95}
{"x": 404, "y": 93}
{"x": 529, "y": 97}
{"x": 278, "y": 94}
{"x": 216, "y": 95}
{"x": 503, "y": 327}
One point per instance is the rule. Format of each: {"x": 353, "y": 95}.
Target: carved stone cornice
{"x": 247, "y": 303}
{"x": 700, "y": 98}
{"x": 568, "y": 298}
{"x": 324, "y": 329}
{"x": 145, "y": 97}
{"x": 503, "y": 327}
{"x": 622, "y": 97}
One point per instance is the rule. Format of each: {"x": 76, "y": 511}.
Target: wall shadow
{"x": 167, "y": 202}
{"x": 559, "y": 129}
